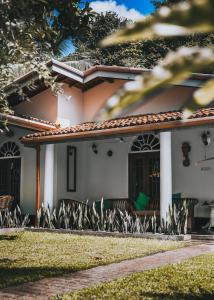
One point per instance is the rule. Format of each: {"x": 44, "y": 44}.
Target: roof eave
{"x": 29, "y": 124}
{"x": 120, "y": 131}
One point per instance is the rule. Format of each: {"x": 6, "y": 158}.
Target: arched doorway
{"x": 144, "y": 169}
{"x": 10, "y": 170}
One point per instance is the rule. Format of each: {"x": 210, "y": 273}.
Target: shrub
{"x": 83, "y": 216}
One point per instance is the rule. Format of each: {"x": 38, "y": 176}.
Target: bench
{"x": 117, "y": 203}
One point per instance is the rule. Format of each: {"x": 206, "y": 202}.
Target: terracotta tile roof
{"x": 124, "y": 122}
{"x": 203, "y": 113}
{"x": 36, "y": 119}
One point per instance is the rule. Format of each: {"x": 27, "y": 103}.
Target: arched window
{"x": 9, "y": 149}
{"x": 146, "y": 142}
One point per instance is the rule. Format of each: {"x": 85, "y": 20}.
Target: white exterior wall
{"x": 70, "y": 107}
{"x": 28, "y": 171}
{"x": 192, "y": 181}
{"x": 101, "y": 176}
{"x": 97, "y": 174}
{"x": 108, "y": 176}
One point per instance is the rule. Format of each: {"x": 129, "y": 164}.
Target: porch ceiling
{"x": 122, "y": 126}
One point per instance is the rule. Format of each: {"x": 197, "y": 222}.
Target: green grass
{"x": 31, "y": 256}
{"x": 192, "y": 279}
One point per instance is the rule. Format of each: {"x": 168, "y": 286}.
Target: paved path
{"x": 49, "y": 287}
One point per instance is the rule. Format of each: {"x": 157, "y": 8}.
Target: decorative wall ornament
{"x": 94, "y": 148}
{"x": 9, "y": 149}
{"x": 186, "y": 148}
{"x": 146, "y": 142}
{"x": 71, "y": 169}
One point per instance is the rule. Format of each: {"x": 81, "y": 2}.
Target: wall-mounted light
{"x": 206, "y": 138}
{"x": 94, "y": 148}
{"x": 110, "y": 153}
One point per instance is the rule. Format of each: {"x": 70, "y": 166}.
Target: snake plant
{"x": 82, "y": 216}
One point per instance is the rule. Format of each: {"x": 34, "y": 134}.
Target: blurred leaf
{"x": 205, "y": 95}
{"x": 202, "y": 97}
{"x": 181, "y": 19}
{"x": 176, "y": 67}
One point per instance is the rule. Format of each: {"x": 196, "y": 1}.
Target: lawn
{"x": 31, "y": 256}
{"x": 192, "y": 279}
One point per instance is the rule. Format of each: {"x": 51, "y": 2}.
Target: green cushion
{"x": 107, "y": 204}
{"x": 176, "y": 198}
{"x": 141, "y": 202}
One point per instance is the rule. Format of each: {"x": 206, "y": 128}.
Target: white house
{"x": 54, "y": 149}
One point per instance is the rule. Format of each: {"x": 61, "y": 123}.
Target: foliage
{"x": 170, "y": 70}
{"x": 31, "y": 33}
{"x": 13, "y": 218}
{"x": 176, "y": 20}
{"x": 87, "y": 43}
{"x": 177, "y": 222}
{"x": 84, "y": 217}
{"x": 192, "y": 279}
{"x": 144, "y": 54}
{"x": 159, "y": 3}
{"x": 184, "y": 18}
{"x": 31, "y": 256}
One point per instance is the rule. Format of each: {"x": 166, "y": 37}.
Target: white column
{"x": 165, "y": 173}
{"x": 49, "y": 176}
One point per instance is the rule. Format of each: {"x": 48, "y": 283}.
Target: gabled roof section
{"x": 29, "y": 122}
{"x": 72, "y": 76}
{"x": 94, "y": 75}
{"x": 123, "y": 126}
{"x": 87, "y": 79}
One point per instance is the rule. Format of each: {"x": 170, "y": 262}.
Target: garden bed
{"x": 148, "y": 235}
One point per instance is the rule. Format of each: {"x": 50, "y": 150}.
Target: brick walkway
{"x": 49, "y": 287}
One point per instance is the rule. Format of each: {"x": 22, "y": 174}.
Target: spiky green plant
{"x": 13, "y": 218}
{"x": 176, "y": 222}
{"x": 82, "y": 216}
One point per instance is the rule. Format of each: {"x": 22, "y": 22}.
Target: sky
{"x": 130, "y": 9}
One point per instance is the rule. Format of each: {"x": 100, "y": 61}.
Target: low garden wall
{"x": 147, "y": 235}
{"x": 10, "y": 230}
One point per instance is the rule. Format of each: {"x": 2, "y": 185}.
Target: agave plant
{"x": 13, "y": 218}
